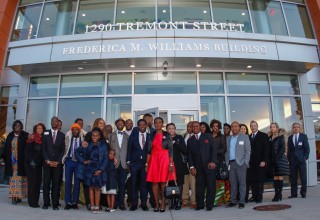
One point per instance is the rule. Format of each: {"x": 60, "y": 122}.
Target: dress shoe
{"x": 88, "y": 207}
{"x": 34, "y": 206}
{"x": 292, "y": 196}
{"x": 303, "y": 195}
{"x": 259, "y": 201}
{"x": 122, "y": 207}
{"x": 14, "y": 202}
{"x": 68, "y": 206}
{"x": 45, "y": 207}
{"x": 133, "y": 208}
{"x": 144, "y": 208}
{"x": 19, "y": 200}
{"x": 162, "y": 210}
{"x": 209, "y": 209}
{"x": 241, "y": 205}
{"x": 178, "y": 205}
{"x": 75, "y": 206}
{"x": 251, "y": 199}
{"x": 55, "y": 207}
{"x": 231, "y": 205}
{"x": 156, "y": 210}
{"x": 198, "y": 208}
{"x": 59, "y": 204}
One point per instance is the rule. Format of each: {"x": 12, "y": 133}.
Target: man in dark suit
{"x": 53, "y": 150}
{"x": 119, "y": 143}
{"x": 256, "y": 174}
{"x": 298, "y": 153}
{"x": 136, "y": 159}
{"x": 202, "y": 159}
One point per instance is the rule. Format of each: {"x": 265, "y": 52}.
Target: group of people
{"x": 143, "y": 160}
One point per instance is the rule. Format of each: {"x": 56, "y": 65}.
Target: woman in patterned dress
{"x": 14, "y": 159}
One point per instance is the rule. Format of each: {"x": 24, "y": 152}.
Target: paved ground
{"x": 302, "y": 209}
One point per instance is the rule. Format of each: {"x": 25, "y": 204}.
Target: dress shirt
{"x": 187, "y": 137}
{"x": 120, "y": 138}
{"x": 294, "y": 139}
{"x": 52, "y": 131}
{"x": 140, "y": 138}
{"x": 75, "y": 145}
{"x": 128, "y": 132}
{"x": 254, "y": 134}
{"x": 233, "y": 143}
{"x": 199, "y": 134}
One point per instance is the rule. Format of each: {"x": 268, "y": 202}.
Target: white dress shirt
{"x": 140, "y": 138}
{"x": 293, "y": 139}
{"x": 187, "y": 137}
{"x": 120, "y": 138}
{"x": 128, "y": 132}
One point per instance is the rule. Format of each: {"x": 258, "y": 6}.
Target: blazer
{"x": 121, "y": 152}
{"x": 33, "y": 153}
{"x": 135, "y": 154}
{"x": 301, "y": 151}
{"x": 68, "y": 138}
{"x": 180, "y": 151}
{"x": 243, "y": 150}
{"x": 201, "y": 152}
{"x": 6, "y": 154}
{"x": 50, "y": 151}
{"x": 260, "y": 149}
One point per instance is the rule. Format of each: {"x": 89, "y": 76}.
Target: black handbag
{"x": 172, "y": 192}
{"x": 223, "y": 173}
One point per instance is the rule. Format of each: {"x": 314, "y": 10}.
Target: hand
{"x": 193, "y": 172}
{"x": 84, "y": 144}
{"x": 171, "y": 169}
{"x": 87, "y": 162}
{"x": 115, "y": 162}
{"x": 31, "y": 136}
{"x": 263, "y": 164}
{"x": 146, "y": 167}
{"x": 97, "y": 173}
{"x": 212, "y": 166}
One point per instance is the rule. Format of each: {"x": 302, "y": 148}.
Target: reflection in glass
{"x": 212, "y": 108}
{"x": 9, "y": 95}
{"x": 247, "y": 83}
{"x": 7, "y": 117}
{"x": 94, "y": 12}
{"x": 118, "y": 107}
{"x": 119, "y": 83}
{"x": 191, "y": 11}
{"x": 165, "y": 83}
{"x": 40, "y": 111}
{"x": 316, "y": 121}
{"x": 211, "y": 83}
{"x": 92, "y": 84}
{"x": 267, "y": 17}
{"x": 287, "y": 110}
{"x": 57, "y": 18}
{"x": 86, "y": 108}
{"x": 181, "y": 121}
{"x": 315, "y": 92}
{"x": 246, "y": 109}
{"x": 232, "y": 11}
{"x": 26, "y": 23}
{"x": 163, "y": 10}
{"x": 285, "y": 84}
{"x": 298, "y": 20}
{"x": 43, "y": 86}
{"x": 135, "y": 11}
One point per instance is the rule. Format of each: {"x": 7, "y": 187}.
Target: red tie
{"x": 54, "y": 137}
{"x": 197, "y": 137}
{"x": 143, "y": 141}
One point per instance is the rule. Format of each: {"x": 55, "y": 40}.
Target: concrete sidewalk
{"x": 302, "y": 209}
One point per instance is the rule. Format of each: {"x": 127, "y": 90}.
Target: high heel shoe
{"x": 162, "y": 210}
{"x": 156, "y": 209}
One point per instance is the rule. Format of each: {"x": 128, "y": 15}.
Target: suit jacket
{"x": 243, "y": 150}
{"x": 201, "y": 152}
{"x": 135, "y": 154}
{"x": 179, "y": 154}
{"x": 50, "y": 151}
{"x": 301, "y": 151}
{"x": 260, "y": 149}
{"x": 68, "y": 138}
{"x": 121, "y": 152}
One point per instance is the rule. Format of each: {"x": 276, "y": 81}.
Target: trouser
{"x": 122, "y": 176}
{"x": 205, "y": 181}
{"x": 138, "y": 180}
{"x": 237, "y": 177}
{"x": 70, "y": 174}
{"x": 257, "y": 190}
{"x": 51, "y": 176}
{"x": 189, "y": 184}
{"x": 34, "y": 176}
{"x": 295, "y": 167}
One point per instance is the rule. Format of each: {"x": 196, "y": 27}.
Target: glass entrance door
{"x": 139, "y": 114}
{"x": 181, "y": 119}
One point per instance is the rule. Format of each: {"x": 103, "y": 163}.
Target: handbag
{"x": 223, "y": 173}
{"x": 172, "y": 192}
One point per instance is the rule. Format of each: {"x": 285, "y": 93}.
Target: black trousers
{"x": 255, "y": 179}
{"x": 295, "y": 167}
{"x": 205, "y": 181}
{"x": 257, "y": 188}
{"x": 138, "y": 183}
{"x": 34, "y": 176}
{"x": 51, "y": 176}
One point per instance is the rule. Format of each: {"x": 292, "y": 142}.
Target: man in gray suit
{"x": 119, "y": 143}
{"x": 237, "y": 159}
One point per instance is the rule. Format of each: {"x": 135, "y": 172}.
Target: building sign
{"x": 165, "y": 26}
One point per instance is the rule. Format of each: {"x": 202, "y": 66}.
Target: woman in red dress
{"x": 159, "y": 162}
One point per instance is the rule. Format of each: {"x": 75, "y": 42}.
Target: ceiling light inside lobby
{"x": 164, "y": 11}
{"x": 80, "y": 68}
{"x": 83, "y": 15}
{"x": 123, "y": 12}
{"x": 243, "y": 13}
{"x": 198, "y": 65}
{"x": 204, "y": 12}
{"x": 249, "y": 67}
{"x": 48, "y": 19}
{"x": 132, "y": 66}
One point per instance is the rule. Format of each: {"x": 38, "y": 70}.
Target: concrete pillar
{"x": 62, "y": 23}
{"x": 261, "y": 16}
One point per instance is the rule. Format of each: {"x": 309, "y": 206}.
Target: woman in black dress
{"x": 34, "y": 160}
{"x": 279, "y": 159}
{"x": 180, "y": 162}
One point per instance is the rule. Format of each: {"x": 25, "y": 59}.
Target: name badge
{"x": 46, "y": 133}
{"x": 141, "y": 157}
{"x": 241, "y": 142}
{"x": 229, "y": 167}
{"x": 300, "y": 143}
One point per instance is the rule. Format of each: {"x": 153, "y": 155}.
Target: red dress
{"x": 158, "y": 167}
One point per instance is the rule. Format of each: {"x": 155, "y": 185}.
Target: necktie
{"x": 120, "y": 132}
{"x": 54, "y": 137}
{"x": 75, "y": 146}
{"x": 143, "y": 141}
{"x": 197, "y": 137}
{"x": 253, "y": 135}
{"x": 295, "y": 140}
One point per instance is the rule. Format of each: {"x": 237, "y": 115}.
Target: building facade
{"x": 183, "y": 60}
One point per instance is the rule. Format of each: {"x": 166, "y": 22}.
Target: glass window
{"x": 82, "y": 85}
{"x": 298, "y": 20}
{"x": 246, "y": 109}
{"x": 231, "y": 11}
{"x": 7, "y": 117}
{"x": 287, "y": 110}
{"x": 86, "y": 108}
{"x": 118, "y": 107}
{"x": 211, "y": 83}
{"x": 315, "y": 92}
{"x": 267, "y": 17}
{"x": 163, "y": 10}
{"x": 94, "y": 12}
{"x": 165, "y": 83}
{"x": 297, "y": 1}
{"x": 40, "y": 111}
{"x": 135, "y": 11}
{"x": 191, "y": 11}
{"x": 247, "y": 83}
{"x": 26, "y": 2}
{"x": 26, "y": 23}
{"x": 285, "y": 84}
{"x": 212, "y": 108}
{"x": 43, "y": 86}
{"x": 119, "y": 83}
{"x": 57, "y": 18}
{"x": 316, "y": 121}
{"x": 9, "y": 95}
